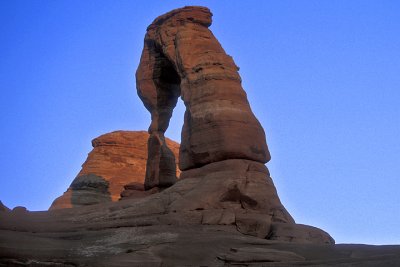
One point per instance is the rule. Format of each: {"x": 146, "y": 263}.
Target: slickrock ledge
{"x": 152, "y": 232}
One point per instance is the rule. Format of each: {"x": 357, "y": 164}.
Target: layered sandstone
{"x": 223, "y": 211}
{"x": 118, "y": 158}
{"x": 181, "y": 57}
{"x": 146, "y": 233}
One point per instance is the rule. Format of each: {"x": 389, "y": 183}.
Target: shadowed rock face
{"x": 89, "y": 189}
{"x": 181, "y": 57}
{"x": 117, "y": 159}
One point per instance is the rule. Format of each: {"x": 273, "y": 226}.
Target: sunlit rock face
{"x": 181, "y": 57}
{"x": 224, "y": 209}
{"x": 118, "y": 158}
{"x": 223, "y": 144}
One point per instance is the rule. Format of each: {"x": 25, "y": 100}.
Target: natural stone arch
{"x": 218, "y": 123}
{"x": 162, "y": 90}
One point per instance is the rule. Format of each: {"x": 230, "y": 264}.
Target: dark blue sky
{"x": 321, "y": 76}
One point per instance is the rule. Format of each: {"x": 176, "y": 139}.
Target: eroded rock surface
{"x": 150, "y": 232}
{"x": 137, "y": 190}
{"x": 223, "y": 144}
{"x": 181, "y": 57}
{"x": 223, "y": 211}
{"x": 117, "y": 159}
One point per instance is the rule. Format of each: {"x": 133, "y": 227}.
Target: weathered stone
{"x": 182, "y": 57}
{"x": 250, "y": 255}
{"x": 160, "y": 166}
{"x": 211, "y": 216}
{"x": 141, "y": 193}
{"x": 89, "y": 189}
{"x": 141, "y": 233}
{"x": 233, "y": 184}
{"x": 134, "y": 194}
{"x": 119, "y": 158}
{"x": 254, "y": 224}
{"x": 299, "y": 233}
{"x": 224, "y": 211}
{"x": 218, "y": 217}
{"x": 228, "y": 217}
{"x": 134, "y": 186}
{"x": 182, "y": 218}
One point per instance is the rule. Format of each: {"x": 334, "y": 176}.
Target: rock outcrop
{"x": 221, "y": 137}
{"x": 181, "y": 57}
{"x": 117, "y": 159}
{"x": 152, "y": 231}
{"x": 137, "y": 190}
{"x": 223, "y": 211}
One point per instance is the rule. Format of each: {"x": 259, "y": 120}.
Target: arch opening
{"x": 161, "y": 163}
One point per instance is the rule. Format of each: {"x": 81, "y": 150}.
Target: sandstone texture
{"x": 151, "y": 231}
{"x": 223, "y": 144}
{"x": 224, "y": 209}
{"x": 117, "y": 159}
{"x": 137, "y": 190}
{"x": 181, "y": 57}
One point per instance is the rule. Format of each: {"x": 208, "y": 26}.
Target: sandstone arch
{"x": 224, "y": 185}
{"x": 181, "y": 57}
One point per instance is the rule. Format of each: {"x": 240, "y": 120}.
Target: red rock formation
{"x": 223, "y": 144}
{"x": 145, "y": 233}
{"x": 117, "y": 158}
{"x": 223, "y": 211}
{"x": 137, "y": 190}
{"x": 181, "y": 56}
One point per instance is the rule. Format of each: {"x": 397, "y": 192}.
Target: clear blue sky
{"x": 323, "y": 77}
